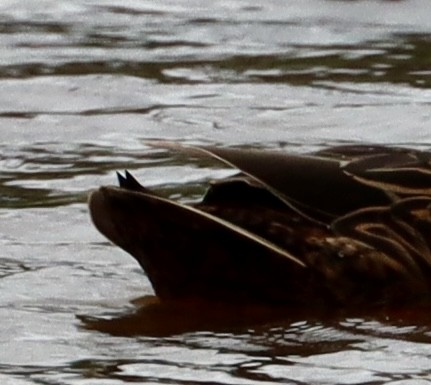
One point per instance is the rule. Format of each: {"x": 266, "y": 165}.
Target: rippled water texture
{"x": 85, "y": 83}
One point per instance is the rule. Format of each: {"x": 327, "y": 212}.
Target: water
{"x": 84, "y": 84}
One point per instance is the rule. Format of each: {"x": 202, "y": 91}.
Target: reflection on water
{"x": 151, "y": 318}
{"x": 86, "y": 83}
{"x": 264, "y": 345}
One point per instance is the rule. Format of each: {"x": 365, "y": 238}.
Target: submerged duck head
{"x": 340, "y": 227}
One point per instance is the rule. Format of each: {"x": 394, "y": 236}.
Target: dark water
{"x": 84, "y": 84}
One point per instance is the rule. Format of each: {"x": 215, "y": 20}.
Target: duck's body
{"x": 343, "y": 226}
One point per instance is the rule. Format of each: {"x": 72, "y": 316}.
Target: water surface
{"x": 86, "y": 83}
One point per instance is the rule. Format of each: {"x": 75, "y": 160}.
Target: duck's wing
{"x": 317, "y": 185}
{"x": 403, "y": 173}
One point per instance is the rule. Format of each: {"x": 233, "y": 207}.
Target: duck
{"x": 345, "y": 226}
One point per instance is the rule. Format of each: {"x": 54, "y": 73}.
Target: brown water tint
{"x": 85, "y": 83}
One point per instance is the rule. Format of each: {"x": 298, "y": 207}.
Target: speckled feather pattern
{"x": 344, "y": 226}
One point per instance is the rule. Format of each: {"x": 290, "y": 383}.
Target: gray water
{"x": 85, "y": 84}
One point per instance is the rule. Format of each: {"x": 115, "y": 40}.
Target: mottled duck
{"x": 344, "y": 226}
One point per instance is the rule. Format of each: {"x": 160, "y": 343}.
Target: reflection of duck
{"x": 342, "y": 226}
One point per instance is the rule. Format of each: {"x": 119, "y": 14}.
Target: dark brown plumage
{"x": 344, "y": 226}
